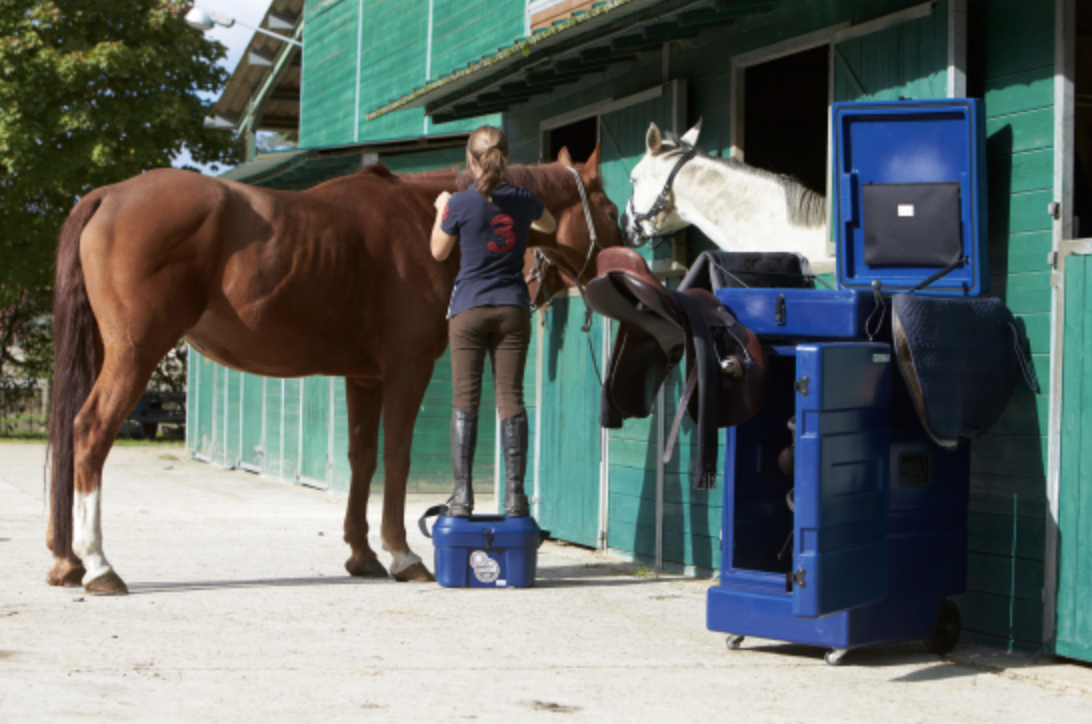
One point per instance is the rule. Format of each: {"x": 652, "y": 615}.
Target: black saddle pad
{"x": 959, "y": 361}
{"x": 714, "y": 270}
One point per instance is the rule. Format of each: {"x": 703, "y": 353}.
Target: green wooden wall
{"x": 328, "y": 93}
{"x": 1010, "y": 65}
{"x": 387, "y": 48}
{"x": 286, "y": 429}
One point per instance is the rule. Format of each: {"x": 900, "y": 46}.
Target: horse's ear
{"x": 653, "y": 139}
{"x": 563, "y": 157}
{"x": 591, "y": 166}
{"x": 690, "y": 138}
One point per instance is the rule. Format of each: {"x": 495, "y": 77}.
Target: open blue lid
{"x": 910, "y": 196}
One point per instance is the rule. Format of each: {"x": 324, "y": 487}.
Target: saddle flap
{"x": 958, "y": 359}
{"x": 622, "y": 298}
{"x": 638, "y": 366}
{"x": 740, "y": 398}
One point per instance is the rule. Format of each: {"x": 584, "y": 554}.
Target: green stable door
{"x": 1074, "y": 604}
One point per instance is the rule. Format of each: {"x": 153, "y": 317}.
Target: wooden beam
{"x": 279, "y": 123}
{"x": 285, "y": 94}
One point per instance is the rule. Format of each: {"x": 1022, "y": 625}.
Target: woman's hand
{"x": 441, "y": 202}
{"x": 546, "y": 223}
{"x": 441, "y": 243}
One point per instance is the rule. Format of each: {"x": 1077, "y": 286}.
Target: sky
{"x": 234, "y": 38}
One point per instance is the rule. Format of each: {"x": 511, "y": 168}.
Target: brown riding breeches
{"x": 502, "y": 331}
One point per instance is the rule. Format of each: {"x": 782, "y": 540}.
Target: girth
{"x": 725, "y": 365}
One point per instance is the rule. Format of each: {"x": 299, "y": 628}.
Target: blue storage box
{"x": 799, "y": 313}
{"x": 907, "y": 173}
{"x": 922, "y": 166}
{"x": 863, "y": 538}
{"x": 486, "y": 551}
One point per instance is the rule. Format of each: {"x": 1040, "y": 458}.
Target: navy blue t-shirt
{"x": 492, "y": 241}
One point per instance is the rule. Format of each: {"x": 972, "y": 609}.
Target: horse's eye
{"x": 614, "y": 215}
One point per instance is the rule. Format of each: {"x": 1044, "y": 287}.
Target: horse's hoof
{"x": 365, "y": 568}
{"x": 108, "y": 584}
{"x": 66, "y": 573}
{"x": 416, "y": 573}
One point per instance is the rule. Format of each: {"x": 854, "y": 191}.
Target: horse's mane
{"x": 545, "y": 181}
{"x": 805, "y": 207}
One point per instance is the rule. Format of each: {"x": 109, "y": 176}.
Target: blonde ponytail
{"x": 489, "y": 148}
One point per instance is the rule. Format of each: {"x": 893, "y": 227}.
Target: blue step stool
{"x": 486, "y": 551}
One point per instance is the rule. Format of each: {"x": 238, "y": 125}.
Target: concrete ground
{"x": 240, "y": 611}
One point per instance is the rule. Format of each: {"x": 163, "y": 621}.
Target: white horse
{"x": 739, "y": 207}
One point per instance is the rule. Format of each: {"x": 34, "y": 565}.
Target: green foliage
{"x": 26, "y": 358}
{"x": 269, "y": 142}
{"x": 92, "y": 92}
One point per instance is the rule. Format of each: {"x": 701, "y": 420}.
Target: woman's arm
{"x": 546, "y": 223}
{"x": 441, "y": 243}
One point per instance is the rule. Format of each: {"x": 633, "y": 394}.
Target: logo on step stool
{"x": 485, "y": 568}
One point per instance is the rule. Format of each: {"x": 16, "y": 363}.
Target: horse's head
{"x": 571, "y": 251}
{"x": 651, "y": 210}
{"x": 571, "y": 211}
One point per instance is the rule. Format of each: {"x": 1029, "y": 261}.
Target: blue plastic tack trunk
{"x": 867, "y": 538}
{"x": 486, "y": 551}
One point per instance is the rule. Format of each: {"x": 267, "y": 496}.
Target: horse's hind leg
{"x": 403, "y": 390}
{"x": 125, "y": 374}
{"x": 67, "y": 571}
{"x": 364, "y": 399}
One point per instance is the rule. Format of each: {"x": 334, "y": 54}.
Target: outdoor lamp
{"x": 203, "y": 20}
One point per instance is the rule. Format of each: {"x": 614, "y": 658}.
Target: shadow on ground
{"x": 594, "y": 574}
{"x": 185, "y": 586}
{"x": 878, "y": 657}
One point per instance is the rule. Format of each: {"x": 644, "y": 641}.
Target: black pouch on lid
{"x": 914, "y": 225}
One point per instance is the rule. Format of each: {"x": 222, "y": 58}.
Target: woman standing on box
{"x": 490, "y": 310}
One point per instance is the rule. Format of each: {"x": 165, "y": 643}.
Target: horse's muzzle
{"x": 632, "y": 235}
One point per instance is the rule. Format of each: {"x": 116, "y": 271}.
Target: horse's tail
{"x": 74, "y": 367}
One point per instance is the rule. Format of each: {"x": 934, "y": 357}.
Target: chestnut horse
{"x": 336, "y": 280}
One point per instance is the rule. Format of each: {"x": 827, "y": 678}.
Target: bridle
{"x": 658, "y": 205}
{"x": 538, "y": 270}
{"x": 542, "y": 262}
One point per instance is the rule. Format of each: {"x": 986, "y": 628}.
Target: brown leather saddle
{"x": 725, "y": 364}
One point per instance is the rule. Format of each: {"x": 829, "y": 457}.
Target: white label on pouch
{"x": 906, "y": 209}
{"x": 881, "y": 357}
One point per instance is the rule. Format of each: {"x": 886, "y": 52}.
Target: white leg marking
{"x": 87, "y": 536}
{"x": 402, "y": 559}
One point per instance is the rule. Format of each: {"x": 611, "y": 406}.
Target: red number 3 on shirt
{"x": 502, "y": 227}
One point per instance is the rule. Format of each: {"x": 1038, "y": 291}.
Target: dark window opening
{"x": 1082, "y": 126}
{"x": 785, "y": 116}
{"x": 579, "y": 138}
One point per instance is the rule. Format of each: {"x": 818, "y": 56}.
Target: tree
{"x": 92, "y": 92}
{"x": 269, "y": 142}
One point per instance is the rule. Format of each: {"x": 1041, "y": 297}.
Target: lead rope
{"x": 541, "y": 257}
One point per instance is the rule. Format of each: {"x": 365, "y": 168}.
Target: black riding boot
{"x": 514, "y": 439}
{"x": 464, "y": 437}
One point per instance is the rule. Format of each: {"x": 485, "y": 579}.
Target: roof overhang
{"x": 263, "y": 93}
{"x": 303, "y": 168}
{"x": 587, "y": 42}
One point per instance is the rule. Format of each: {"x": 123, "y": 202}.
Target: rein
{"x": 542, "y": 261}
{"x": 658, "y": 205}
